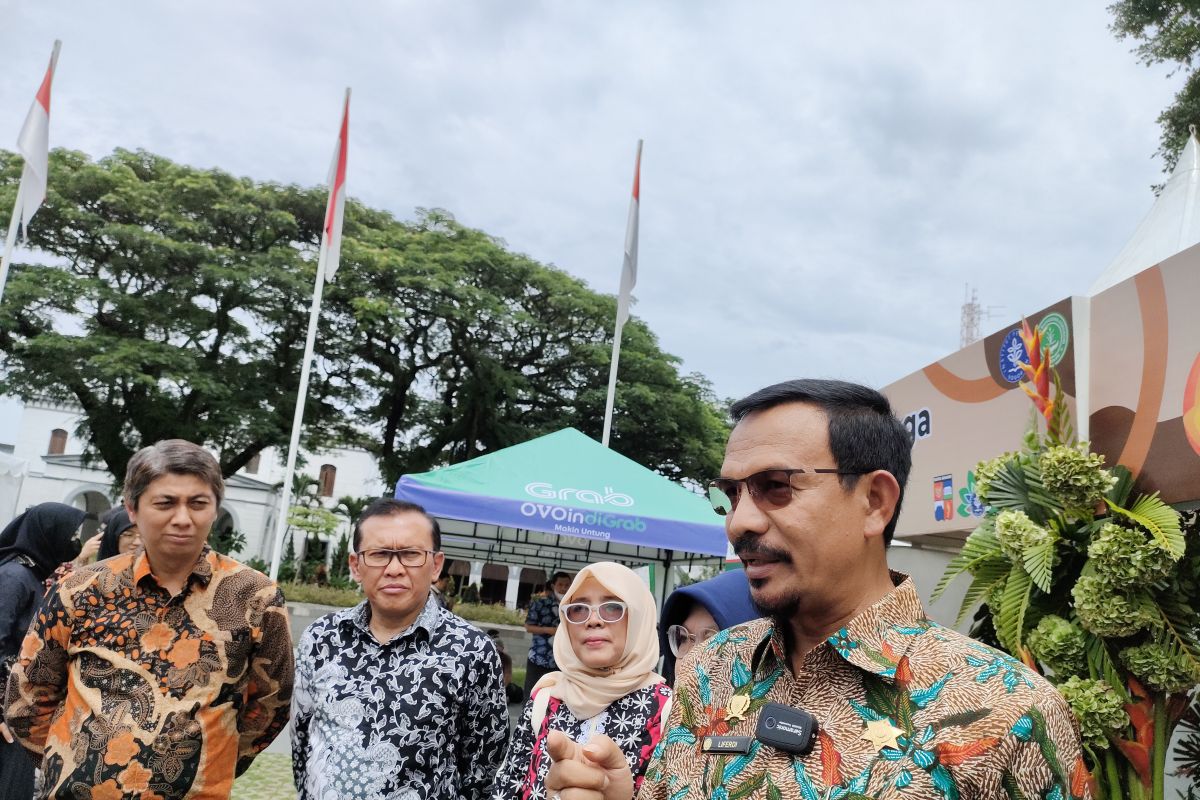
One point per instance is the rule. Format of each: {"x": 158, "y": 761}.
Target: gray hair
{"x": 171, "y": 457}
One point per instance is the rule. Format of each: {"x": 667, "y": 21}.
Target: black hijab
{"x": 116, "y": 522}
{"x": 45, "y": 535}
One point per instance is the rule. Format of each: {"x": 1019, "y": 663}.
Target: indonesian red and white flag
{"x": 331, "y": 237}
{"x": 629, "y": 266}
{"x": 34, "y": 145}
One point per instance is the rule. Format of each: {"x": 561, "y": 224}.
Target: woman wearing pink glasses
{"x": 606, "y": 649}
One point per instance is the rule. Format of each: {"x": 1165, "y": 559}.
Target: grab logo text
{"x": 546, "y": 491}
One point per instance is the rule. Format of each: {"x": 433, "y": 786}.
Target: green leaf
{"x": 1039, "y": 563}
{"x": 1178, "y": 633}
{"x": 981, "y": 546}
{"x": 987, "y": 575}
{"x": 1158, "y": 518}
{"x": 1018, "y": 487}
{"x": 1120, "y": 491}
{"x": 1010, "y": 617}
{"x": 1101, "y": 663}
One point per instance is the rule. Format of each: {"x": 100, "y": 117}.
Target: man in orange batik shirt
{"x": 157, "y": 673}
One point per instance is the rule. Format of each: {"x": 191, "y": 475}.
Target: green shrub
{"x": 258, "y": 564}
{"x": 494, "y": 614}
{"x": 321, "y": 595}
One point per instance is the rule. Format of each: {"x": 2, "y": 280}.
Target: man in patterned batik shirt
{"x": 161, "y": 672}
{"x": 542, "y": 622}
{"x": 397, "y": 697}
{"x": 810, "y": 490}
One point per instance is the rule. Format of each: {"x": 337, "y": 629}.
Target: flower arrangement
{"x": 1090, "y": 583}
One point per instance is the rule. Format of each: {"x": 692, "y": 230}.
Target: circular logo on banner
{"x": 1056, "y": 335}
{"x": 1012, "y": 355}
{"x": 1191, "y": 406}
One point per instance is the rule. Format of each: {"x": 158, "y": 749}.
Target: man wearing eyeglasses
{"x": 397, "y": 697}
{"x": 846, "y": 688}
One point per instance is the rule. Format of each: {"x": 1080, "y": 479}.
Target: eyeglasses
{"x": 770, "y": 489}
{"x": 409, "y": 557}
{"x": 579, "y": 613}
{"x": 679, "y": 636}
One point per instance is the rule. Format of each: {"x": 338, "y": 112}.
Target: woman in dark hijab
{"x": 699, "y": 610}
{"x": 31, "y": 547}
{"x": 119, "y": 534}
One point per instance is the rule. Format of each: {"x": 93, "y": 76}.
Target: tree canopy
{"x": 171, "y": 301}
{"x": 1168, "y": 32}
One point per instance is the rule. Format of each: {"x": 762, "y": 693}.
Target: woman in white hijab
{"x": 606, "y": 649}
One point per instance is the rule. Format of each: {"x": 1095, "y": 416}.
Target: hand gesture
{"x": 89, "y": 550}
{"x": 597, "y": 771}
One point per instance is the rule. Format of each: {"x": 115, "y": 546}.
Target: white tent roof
{"x": 1172, "y": 225}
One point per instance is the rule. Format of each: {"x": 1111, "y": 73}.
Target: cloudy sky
{"x": 818, "y": 184}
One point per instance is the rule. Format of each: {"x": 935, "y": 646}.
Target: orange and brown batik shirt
{"x": 125, "y": 691}
{"x": 906, "y": 710}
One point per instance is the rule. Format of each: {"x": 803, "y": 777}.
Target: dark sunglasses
{"x": 770, "y": 489}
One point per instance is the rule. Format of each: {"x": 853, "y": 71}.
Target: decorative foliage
{"x": 1060, "y": 645}
{"x": 1160, "y": 668}
{"x": 1074, "y": 476}
{"x": 1126, "y": 558}
{"x": 1108, "y": 612}
{"x": 986, "y": 472}
{"x": 1089, "y": 581}
{"x": 1097, "y": 706}
{"x": 1018, "y": 533}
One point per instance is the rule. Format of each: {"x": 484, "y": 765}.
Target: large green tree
{"x": 1167, "y": 32}
{"x": 461, "y": 347}
{"x": 170, "y": 301}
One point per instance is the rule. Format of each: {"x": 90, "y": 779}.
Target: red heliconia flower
{"x": 1037, "y": 371}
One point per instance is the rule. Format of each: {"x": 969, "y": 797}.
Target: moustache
{"x": 749, "y": 545}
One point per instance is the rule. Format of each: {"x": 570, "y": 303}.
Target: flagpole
{"x": 612, "y": 381}
{"x": 285, "y": 497}
{"x": 623, "y": 296}
{"x": 330, "y": 243}
{"x": 10, "y": 243}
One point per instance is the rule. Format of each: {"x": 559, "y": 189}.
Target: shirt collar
{"x": 360, "y": 617}
{"x": 202, "y": 570}
{"x": 875, "y": 641}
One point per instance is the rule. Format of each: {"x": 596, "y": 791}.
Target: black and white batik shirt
{"x": 418, "y": 718}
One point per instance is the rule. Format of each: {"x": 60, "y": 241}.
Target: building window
{"x": 252, "y": 464}
{"x": 327, "y": 477}
{"x": 58, "y": 442}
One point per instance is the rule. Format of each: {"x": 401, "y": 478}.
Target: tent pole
{"x": 666, "y": 577}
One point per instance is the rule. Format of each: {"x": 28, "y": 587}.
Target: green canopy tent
{"x": 563, "y": 501}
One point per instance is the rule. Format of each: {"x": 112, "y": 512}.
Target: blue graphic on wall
{"x": 969, "y": 504}
{"x": 1012, "y": 354}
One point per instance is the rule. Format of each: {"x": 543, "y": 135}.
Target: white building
{"x": 41, "y": 460}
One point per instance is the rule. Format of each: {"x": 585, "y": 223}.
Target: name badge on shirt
{"x": 727, "y": 744}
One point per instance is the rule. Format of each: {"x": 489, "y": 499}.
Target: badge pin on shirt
{"x": 882, "y": 733}
{"x": 736, "y": 708}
